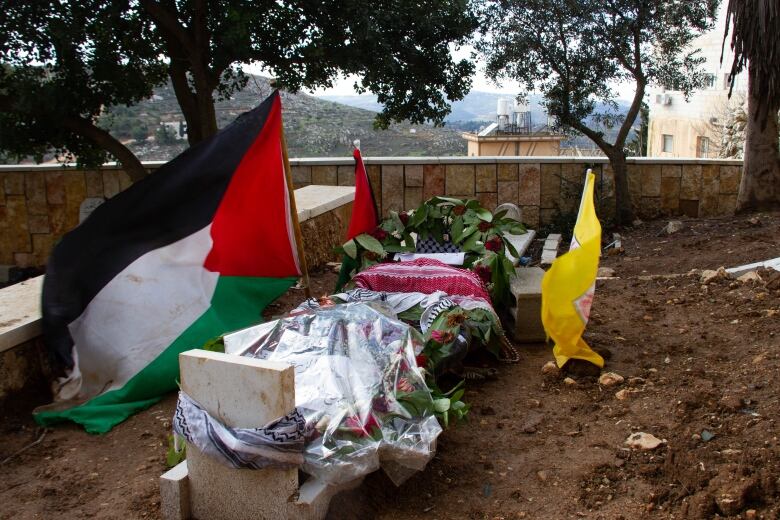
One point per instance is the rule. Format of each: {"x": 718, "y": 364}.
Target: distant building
{"x": 178, "y": 129}
{"x": 513, "y": 134}
{"x": 694, "y": 128}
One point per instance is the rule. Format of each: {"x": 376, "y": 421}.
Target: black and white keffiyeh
{"x": 279, "y": 444}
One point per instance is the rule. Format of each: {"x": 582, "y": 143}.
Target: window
{"x": 702, "y": 147}
{"x": 668, "y": 143}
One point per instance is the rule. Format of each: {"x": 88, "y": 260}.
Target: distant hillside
{"x": 314, "y": 127}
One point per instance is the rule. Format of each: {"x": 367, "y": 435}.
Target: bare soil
{"x": 700, "y": 364}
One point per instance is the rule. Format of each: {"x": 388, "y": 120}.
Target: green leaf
{"x": 512, "y": 250}
{"x": 370, "y": 243}
{"x": 484, "y": 214}
{"x": 457, "y": 229}
{"x": 441, "y": 405}
{"x": 393, "y": 248}
{"x": 350, "y": 248}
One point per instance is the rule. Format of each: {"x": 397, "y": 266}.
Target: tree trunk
{"x": 760, "y": 186}
{"x": 131, "y": 164}
{"x": 624, "y": 210}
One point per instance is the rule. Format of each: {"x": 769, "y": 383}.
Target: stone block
{"x": 124, "y": 180}
{"x": 507, "y": 192}
{"x": 301, "y": 176}
{"x": 433, "y": 180}
{"x": 175, "y": 493}
{"x": 690, "y": 182}
{"x": 727, "y": 204}
{"x": 346, "y": 175}
{"x": 22, "y": 260}
{"x": 324, "y": 232}
{"x": 607, "y": 181}
{"x": 710, "y": 189}
{"x": 35, "y": 191}
{"x": 241, "y": 393}
{"x": 488, "y": 200}
{"x": 572, "y": 180}
{"x": 94, "y": 181}
{"x": 58, "y": 222}
{"x": 75, "y": 193}
{"x": 530, "y": 185}
{"x": 730, "y": 177}
{"x": 670, "y": 195}
{"x": 526, "y": 287}
{"x": 413, "y": 174}
{"x": 110, "y": 183}
{"x": 374, "y": 172}
{"x": 689, "y": 208}
{"x": 326, "y": 175}
{"x": 650, "y": 207}
{"x": 546, "y": 216}
{"x": 38, "y": 224}
{"x": 671, "y": 170}
{"x": 531, "y": 216}
{"x": 459, "y": 180}
{"x": 651, "y": 180}
{"x": 486, "y": 178}
{"x": 55, "y": 187}
{"x": 42, "y": 247}
{"x": 550, "y": 182}
{"x": 508, "y": 172}
{"x": 392, "y": 188}
{"x": 412, "y": 198}
{"x": 14, "y": 233}
{"x": 14, "y": 183}
{"x": 635, "y": 184}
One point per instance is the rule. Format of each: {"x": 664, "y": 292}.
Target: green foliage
{"x": 164, "y": 135}
{"x": 215, "y": 344}
{"x": 574, "y": 52}
{"x": 62, "y": 64}
{"x": 172, "y": 456}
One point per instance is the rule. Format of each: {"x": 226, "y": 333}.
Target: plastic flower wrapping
{"x": 357, "y": 384}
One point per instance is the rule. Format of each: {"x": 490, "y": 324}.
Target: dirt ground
{"x": 700, "y": 363}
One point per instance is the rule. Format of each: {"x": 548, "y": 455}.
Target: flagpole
{"x": 294, "y": 211}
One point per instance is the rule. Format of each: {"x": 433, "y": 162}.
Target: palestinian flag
{"x": 195, "y": 250}
{"x": 364, "y": 217}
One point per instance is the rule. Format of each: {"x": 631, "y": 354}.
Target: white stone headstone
{"x": 88, "y": 206}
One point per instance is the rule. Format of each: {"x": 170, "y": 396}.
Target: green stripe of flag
{"x": 237, "y": 302}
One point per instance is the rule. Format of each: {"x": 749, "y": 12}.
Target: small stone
{"x": 673, "y": 227}
{"x": 551, "y": 369}
{"x": 636, "y": 381}
{"x": 609, "y": 379}
{"x": 709, "y": 276}
{"x": 542, "y": 475}
{"x": 707, "y": 435}
{"x": 750, "y": 514}
{"x": 569, "y": 381}
{"x": 605, "y": 272}
{"x": 619, "y": 463}
{"x": 667, "y": 360}
{"x": 622, "y": 395}
{"x": 749, "y": 277}
{"x": 731, "y": 403}
{"x": 643, "y": 441}
{"x": 531, "y": 422}
{"x": 754, "y": 221}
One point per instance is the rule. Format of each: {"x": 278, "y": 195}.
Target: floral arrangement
{"x": 476, "y": 231}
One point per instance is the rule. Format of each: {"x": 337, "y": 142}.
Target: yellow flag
{"x": 567, "y": 288}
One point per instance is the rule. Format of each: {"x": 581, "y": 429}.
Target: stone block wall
{"x": 40, "y": 203}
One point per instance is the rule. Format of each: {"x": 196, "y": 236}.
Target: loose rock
{"x": 622, "y": 395}
{"x": 609, "y": 379}
{"x": 569, "y": 381}
{"x": 551, "y": 369}
{"x": 749, "y": 277}
{"x": 605, "y": 272}
{"x": 643, "y": 441}
{"x": 674, "y": 226}
{"x": 709, "y": 276}
{"x": 732, "y": 403}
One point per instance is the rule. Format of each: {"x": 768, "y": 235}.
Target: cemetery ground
{"x": 699, "y": 363}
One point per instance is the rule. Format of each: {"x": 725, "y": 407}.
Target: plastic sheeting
{"x": 364, "y": 399}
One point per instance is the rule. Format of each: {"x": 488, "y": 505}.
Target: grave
{"x": 526, "y": 287}
{"x": 241, "y": 392}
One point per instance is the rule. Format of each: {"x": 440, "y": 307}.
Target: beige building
{"x": 519, "y": 145}
{"x": 693, "y": 127}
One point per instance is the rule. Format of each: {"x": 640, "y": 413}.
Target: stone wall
{"x": 40, "y": 203}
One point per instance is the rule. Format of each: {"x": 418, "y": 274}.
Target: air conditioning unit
{"x": 667, "y": 99}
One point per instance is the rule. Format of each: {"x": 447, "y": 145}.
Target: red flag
{"x": 364, "y": 214}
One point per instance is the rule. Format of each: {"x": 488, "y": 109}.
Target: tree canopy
{"x": 78, "y": 58}
{"x": 575, "y": 51}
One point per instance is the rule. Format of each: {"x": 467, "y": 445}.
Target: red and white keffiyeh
{"x": 422, "y": 275}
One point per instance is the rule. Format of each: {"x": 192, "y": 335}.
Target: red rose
{"x": 361, "y": 428}
{"x": 494, "y": 244}
{"x": 485, "y": 226}
{"x": 483, "y": 272}
{"x": 459, "y": 210}
{"x": 404, "y": 216}
{"x": 379, "y": 233}
{"x": 422, "y": 360}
